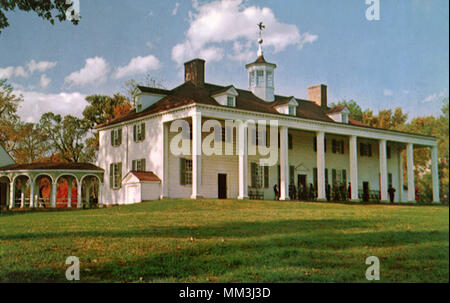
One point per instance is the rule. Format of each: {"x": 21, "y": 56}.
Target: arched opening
{"x": 22, "y": 191}
{"x": 43, "y": 191}
{"x": 67, "y": 191}
{"x": 90, "y": 187}
{"x": 4, "y": 192}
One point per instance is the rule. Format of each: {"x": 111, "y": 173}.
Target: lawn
{"x": 228, "y": 241}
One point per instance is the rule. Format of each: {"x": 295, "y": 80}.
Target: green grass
{"x": 228, "y": 241}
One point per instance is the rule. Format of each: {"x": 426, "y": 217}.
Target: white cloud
{"x": 7, "y": 72}
{"x": 225, "y": 21}
{"x": 36, "y": 103}
{"x": 149, "y": 44}
{"x": 20, "y": 71}
{"x": 175, "y": 10}
{"x": 434, "y": 97}
{"x": 138, "y": 65}
{"x": 94, "y": 71}
{"x": 45, "y": 81}
{"x": 388, "y": 92}
{"x": 41, "y": 66}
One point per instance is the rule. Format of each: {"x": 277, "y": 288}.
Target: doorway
{"x": 301, "y": 185}
{"x": 3, "y": 188}
{"x": 366, "y": 193}
{"x": 222, "y": 186}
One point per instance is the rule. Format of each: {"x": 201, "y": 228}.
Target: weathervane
{"x": 261, "y": 26}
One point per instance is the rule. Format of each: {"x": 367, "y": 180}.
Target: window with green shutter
{"x": 291, "y": 173}
{"x": 185, "y": 171}
{"x": 116, "y": 137}
{"x": 139, "y": 132}
{"x": 115, "y": 175}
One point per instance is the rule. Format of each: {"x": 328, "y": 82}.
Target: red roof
{"x": 145, "y": 176}
{"x": 187, "y": 93}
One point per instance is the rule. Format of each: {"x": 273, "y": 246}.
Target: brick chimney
{"x": 318, "y": 94}
{"x": 194, "y": 71}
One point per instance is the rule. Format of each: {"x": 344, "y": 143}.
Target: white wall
{"x": 151, "y": 149}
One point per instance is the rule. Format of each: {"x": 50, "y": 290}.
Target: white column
{"x": 12, "y": 196}
{"x": 31, "y": 194}
{"x": 69, "y": 191}
{"x": 243, "y": 159}
{"x": 354, "y": 168}
{"x": 383, "y": 171}
{"x": 53, "y": 195}
{"x": 22, "y": 196}
{"x": 100, "y": 195}
{"x": 88, "y": 195}
{"x": 165, "y": 174}
{"x": 196, "y": 155}
{"x": 284, "y": 164}
{"x": 435, "y": 174}
{"x": 400, "y": 177}
{"x": 410, "y": 170}
{"x": 321, "y": 166}
{"x": 79, "y": 197}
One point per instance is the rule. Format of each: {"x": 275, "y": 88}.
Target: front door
{"x": 301, "y": 187}
{"x": 222, "y": 183}
{"x": 366, "y": 191}
{"x": 3, "y": 188}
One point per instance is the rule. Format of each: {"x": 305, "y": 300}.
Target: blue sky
{"x": 400, "y": 60}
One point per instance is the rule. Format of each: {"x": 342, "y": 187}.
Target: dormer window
{"x": 226, "y": 96}
{"x": 291, "y": 110}
{"x": 230, "y": 101}
{"x": 344, "y": 118}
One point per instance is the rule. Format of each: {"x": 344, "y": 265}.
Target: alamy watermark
{"x": 73, "y": 271}
{"x": 373, "y": 271}
{"x": 262, "y": 136}
{"x": 373, "y": 11}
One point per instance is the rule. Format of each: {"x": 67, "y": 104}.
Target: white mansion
{"x": 317, "y": 146}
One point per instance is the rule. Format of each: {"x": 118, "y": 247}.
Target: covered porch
{"x": 50, "y": 185}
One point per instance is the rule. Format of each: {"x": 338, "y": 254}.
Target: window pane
{"x": 259, "y": 77}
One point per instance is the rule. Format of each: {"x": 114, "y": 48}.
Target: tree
{"x": 102, "y": 109}
{"x": 66, "y": 136}
{"x": 355, "y": 110}
{"x": 46, "y": 9}
{"x": 32, "y": 146}
{"x": 9, "y": 120}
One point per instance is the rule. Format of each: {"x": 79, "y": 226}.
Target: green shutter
{"x": 253, "y": 174}
{"x": 326, "y": 176}
{"x": 143, "y": 131}
{"x": 112, "y": 138}
{"x": 266, "y": 176}
{"x": 370, "y": 149}
{"x": 315, "y": 177}
{"x": 291, "y": 173}
{"x": 344, "y": 177}
{"x": 111, "y": 175}
{"x": 119, "y": 168}
{"x": 290, "y": 145}
{"x": 315, "y": 143}
{"x": 361, "y": 149}
{"x": 182, "y": 171}
{"x": 134, "y": 133}
{"x": 333, "y": 172}
{"x": 143, "y": 165}
{"x": 120, "y": 136}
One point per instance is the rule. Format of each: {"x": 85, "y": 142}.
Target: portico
{"x": 38, "y": 184}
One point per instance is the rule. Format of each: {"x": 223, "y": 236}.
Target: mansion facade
{"x": 316, "y": 145}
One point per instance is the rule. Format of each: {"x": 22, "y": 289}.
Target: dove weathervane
{"x": 261, "y": 27}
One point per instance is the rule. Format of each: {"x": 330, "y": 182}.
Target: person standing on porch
{"x": 391, "y": 192}
{"x": 276, "y": 192}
